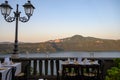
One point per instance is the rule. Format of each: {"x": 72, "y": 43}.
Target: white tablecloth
{"x": 3, "y": 73}
{"x": 7, "y": 67}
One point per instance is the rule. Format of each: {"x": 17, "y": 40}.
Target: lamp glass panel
{"x": 5, "y": 11}
{"x": 29, "y": 11}
{"x": 8, "y": 11}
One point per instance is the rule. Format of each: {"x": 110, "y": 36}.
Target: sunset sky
{"x": 54, "y": 19}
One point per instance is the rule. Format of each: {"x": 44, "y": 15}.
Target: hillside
{"x": 74, "y": 43}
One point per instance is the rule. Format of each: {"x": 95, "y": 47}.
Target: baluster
{"x": 29, "y": 68}
{"x": 52, "y": 66}
{"x": 35, "y": 67}
{"x": 46, "y": 67}
{"x": 57, "y": 68}
{"x": 40, "y": 67}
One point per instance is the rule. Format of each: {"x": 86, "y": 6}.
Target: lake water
{"x": 70, "y": 54}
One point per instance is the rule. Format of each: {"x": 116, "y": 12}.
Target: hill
{"x": 74, "y": 43}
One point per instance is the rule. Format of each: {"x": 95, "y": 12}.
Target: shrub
{"x": 114, "y": 72}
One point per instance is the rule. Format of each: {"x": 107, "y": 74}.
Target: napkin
{"x": 7, "y": 61}
{"x": 68, "y": 59}
{"x": 96, "y": 62}
{"x": 86, "y": 61}
{"x": 79, "y": 59}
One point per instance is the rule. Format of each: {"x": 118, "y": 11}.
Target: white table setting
{"x": 81, "y": 61}
{"x": 3, "y": 71}
{"x": 8, "y": 64}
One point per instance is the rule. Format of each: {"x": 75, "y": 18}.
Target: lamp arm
{"x": 24, "y": 19}
{"x": 9, "y": 19}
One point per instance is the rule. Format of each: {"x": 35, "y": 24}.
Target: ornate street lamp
{"x": 6, "y": 10}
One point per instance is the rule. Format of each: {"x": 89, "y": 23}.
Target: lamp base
{"x": 14, "y": 56}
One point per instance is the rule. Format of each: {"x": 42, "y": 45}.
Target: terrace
{"x": 50, "y": 68}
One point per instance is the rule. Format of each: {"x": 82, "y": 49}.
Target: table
{"x": 7, "y": 67}
{"x": 76, "y": 71}
{"x": 3, "y": 72}
{"x": 17, "y": 65}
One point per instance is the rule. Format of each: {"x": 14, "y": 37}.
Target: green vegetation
{"x": 74, "y": 43}
{"x": 114, "y": 72}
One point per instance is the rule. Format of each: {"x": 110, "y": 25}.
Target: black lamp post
{"x": 6, "y": 10}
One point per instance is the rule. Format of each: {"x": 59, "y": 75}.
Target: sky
{"x": 54, "y": 19}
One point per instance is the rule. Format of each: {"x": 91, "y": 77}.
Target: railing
{"x": 40, "y": 67}
{"x": 45, "y": 67}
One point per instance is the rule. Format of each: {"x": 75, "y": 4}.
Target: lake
{"x": 70, "y": 54}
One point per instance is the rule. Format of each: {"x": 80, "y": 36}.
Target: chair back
{"x": 70, "y": 72}
{"x": 102, "y": 71}
{"x": 90, "y": 72}
{"x": 11, "y": 74}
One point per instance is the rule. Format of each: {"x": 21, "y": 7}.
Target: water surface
{"x": 69, "y": 54}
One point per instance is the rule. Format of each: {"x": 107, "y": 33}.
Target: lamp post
{"x": 6, "y": 10}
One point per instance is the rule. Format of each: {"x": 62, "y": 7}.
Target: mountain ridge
{"x": 73, "y": 43}
{"x": 74, "y": 36}
{"x": 79, "y": 37}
